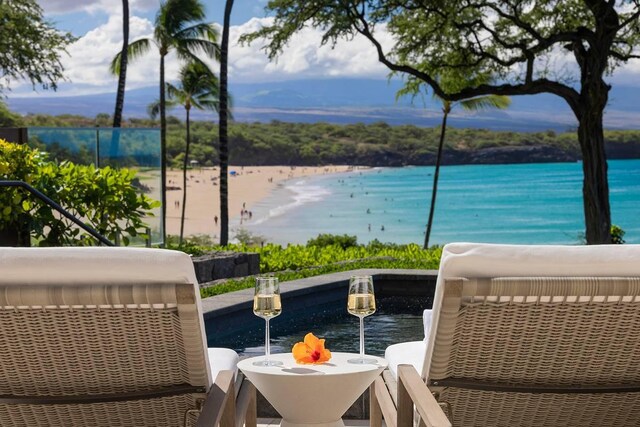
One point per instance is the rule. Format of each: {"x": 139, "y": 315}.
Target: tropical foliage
{"x": 300, "y": 261}
{"x": 103, "y": 198}
{"x": 178, "y": 27}
{"x": 30, "y": 47}
{"x": 198, "y": 89}
{"x": 324, "y": 254}
{"x": 565, "y": 48}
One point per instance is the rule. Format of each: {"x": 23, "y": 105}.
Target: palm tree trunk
{"x": 114, "y": 149}
{"x": 436, "y": 174}
{"x": 184, "y": 177}
{"x": 223, "y": 135}
{"x": 163, "y": 153}
{"x": 122, "y": 78}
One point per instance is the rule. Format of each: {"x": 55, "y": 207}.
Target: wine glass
{"x": 361, "y": 302}
{"x": 266, "y": 304}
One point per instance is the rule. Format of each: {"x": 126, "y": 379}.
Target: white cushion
{"x": 222, "y": 359}
{"x": 94, "y": 265}
{"x": 426, "y": 323}
{"x": 411, "y": 353}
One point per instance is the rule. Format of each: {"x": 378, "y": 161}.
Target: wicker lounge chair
{"x": 109, "y": 337}
{"x": 524, "y": 336}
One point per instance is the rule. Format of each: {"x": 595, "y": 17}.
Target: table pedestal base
{"x": 286, "y": 423}
{"x": 312, "y": 395}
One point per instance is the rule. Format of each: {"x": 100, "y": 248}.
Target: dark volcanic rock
{"x": 618, "y": 150}
{"x": 223, "y": 265}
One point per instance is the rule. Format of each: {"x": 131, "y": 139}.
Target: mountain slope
{"x": 349, "y": 101}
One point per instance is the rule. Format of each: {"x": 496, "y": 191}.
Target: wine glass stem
{"x": 361, "y": 337}
{"x": 267, "y": 346}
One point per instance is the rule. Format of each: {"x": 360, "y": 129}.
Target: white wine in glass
{"x": 361, "y": 302}
{"x": 266, "y": 304}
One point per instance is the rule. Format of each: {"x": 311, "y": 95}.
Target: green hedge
{"x": 300, "y": 261}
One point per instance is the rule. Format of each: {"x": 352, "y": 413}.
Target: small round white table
{"x": 312, "y": 395}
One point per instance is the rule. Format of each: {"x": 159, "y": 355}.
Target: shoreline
{"x": 247, "y": 186}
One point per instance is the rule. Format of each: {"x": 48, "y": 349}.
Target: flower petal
{"x": 311, "y": 340}
{"x": 311, "y": 351}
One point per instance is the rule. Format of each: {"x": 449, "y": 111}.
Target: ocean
{"x": 524, "y": 203}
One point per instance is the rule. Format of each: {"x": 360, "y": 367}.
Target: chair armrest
{"x": 413, "y": 391}
{"x": 246, "y": 400}
{"x": 219, "y": 406}
{"x": 382, "y": 404}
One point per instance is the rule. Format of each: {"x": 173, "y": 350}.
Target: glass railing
{"x": 132, "y": 148}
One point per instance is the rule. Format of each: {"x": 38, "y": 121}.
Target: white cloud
{"x": 87, "y": 65}
{"x": 304, "y": 57}
{"x": 628, "y": 74}
{"x": 90, "y": 56}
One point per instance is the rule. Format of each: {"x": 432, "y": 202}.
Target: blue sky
{"x": 97, "y": 23}
{"x": 80, "y": 17}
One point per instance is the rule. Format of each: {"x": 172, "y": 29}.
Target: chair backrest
{"x": 537, "y": 335}
{"x": 99, "y": 336}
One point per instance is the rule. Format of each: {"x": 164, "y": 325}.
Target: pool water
{"x": 397, "y": 320}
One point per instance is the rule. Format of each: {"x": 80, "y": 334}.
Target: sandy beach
{"x": 247, "y": 185}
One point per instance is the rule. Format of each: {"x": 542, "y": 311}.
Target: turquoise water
{"x": 524, "y": 203}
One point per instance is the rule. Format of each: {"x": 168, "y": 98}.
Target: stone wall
{"x": 223, "y": 265}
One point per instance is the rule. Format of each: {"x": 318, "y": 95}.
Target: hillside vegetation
{"x": 378, "y": 144}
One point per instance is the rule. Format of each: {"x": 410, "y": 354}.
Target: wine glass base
{"x": 267, "y": 363}
{"x": 363, "y": 361}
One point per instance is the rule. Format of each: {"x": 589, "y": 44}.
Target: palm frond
{"x": 201, "y": 30}
{"x": 490, "y": 101}
{"x": 175, "y": 94}
{"x": 188, "y": 48}
{"x": 135, "y": 50}
{"x": 153, "y": 109}
{"x": 206, "y": 102}
{"x": 114, "y": 67}
{"x": 176, "y": 14}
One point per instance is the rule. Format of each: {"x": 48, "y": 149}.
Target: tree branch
{"x": 570, "y": 95}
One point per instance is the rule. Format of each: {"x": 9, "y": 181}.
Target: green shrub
{"x": 617, "y": 235}
{"x": 323, "y": 240}
{"x": 300, "y": 261}
{"x": 17, "y": 162}
{"x": 103, "y": 198}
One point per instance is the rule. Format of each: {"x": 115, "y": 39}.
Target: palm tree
{"x": 198, "y": 89}
{"x": 222, "y": 127}
{"x": 122, "y": 77}
{"x": 179, "y": 28}
{"x": 473, "y": 104}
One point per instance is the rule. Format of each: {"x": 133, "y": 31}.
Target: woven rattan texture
{"x": 89, "y": 351}
{"x": 161, "y": 412}
{"x": 547, "y": 344}
{"x": 563, "y": 332}
{"x": 494, "y": 409}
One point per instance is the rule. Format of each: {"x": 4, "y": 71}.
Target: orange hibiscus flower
{"x": 311, "y": 351}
